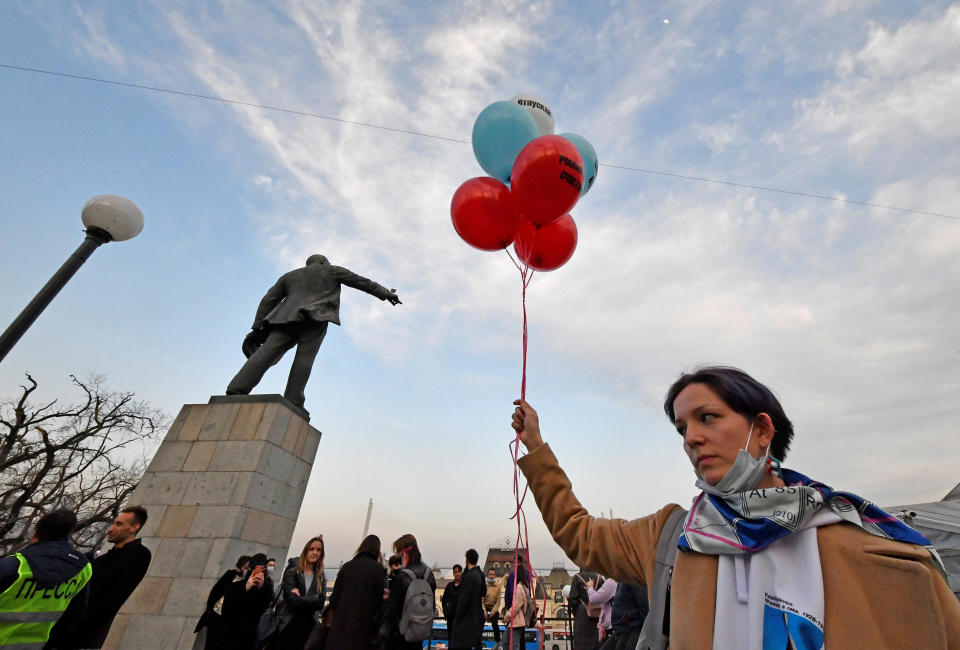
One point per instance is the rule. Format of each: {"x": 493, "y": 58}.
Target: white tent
{"x": 940, "y": 523}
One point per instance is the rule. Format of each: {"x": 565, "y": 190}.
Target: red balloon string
{"x": 522, "y": 543}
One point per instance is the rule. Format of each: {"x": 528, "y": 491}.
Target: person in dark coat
{"x": 209, "y": 626}
{"x": 396, "y": 566}
{"x": 295, "y": 312}
{"x": 584, "y": 626}
{"x": 303, "y": 588}
{"x": 630, "y": 607}
{"x": 448, "y": 601}
{"x": 244, "y": 602}
{"x": 406, "y": 547}
{"x": 356, "y": 603}
{"x": 116, "y": 574}
{"x": 467, "y": 630}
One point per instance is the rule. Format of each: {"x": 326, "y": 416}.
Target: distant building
{"x": 548, "y": 588}
{"x": 500, "y": 560}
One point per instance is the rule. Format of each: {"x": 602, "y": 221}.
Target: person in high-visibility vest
{"x": 38, "y": 583}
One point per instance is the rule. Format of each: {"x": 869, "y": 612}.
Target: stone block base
{"x": 228, "y": 480}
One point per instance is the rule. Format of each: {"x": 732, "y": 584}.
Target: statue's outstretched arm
{"x": 361, "y": 283}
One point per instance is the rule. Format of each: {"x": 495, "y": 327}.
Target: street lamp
{"x": 106, "y": 218}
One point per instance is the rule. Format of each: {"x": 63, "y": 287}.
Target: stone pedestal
{"x": 227, "y": 481}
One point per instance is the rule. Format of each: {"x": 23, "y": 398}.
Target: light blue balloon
{"x": 502, "y": 129}
{"x": 590, "y": 163}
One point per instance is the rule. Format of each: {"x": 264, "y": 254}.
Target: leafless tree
{"x": 87, "y": 456}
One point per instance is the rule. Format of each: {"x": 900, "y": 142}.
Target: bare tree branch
{"x": 88, "y": 456}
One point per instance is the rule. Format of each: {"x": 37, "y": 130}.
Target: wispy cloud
{"x": 846, "y": 311}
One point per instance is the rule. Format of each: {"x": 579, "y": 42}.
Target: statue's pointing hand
{"x": 394, "y": 298}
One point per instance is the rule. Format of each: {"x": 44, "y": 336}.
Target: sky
{"x": 848, "y": 312}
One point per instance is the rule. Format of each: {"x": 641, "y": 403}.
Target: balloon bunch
{"x": 535, "y": 179}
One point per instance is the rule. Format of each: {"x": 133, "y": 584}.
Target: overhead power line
{"x": 782, "y": 191}
{"x": 236, "y": 102}
{"x": 434, "y": 136}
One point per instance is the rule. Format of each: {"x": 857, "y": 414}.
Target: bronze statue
{"x": 295, "y": 311}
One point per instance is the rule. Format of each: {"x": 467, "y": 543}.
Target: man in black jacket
{"x": 448, "y": 601}
{"x": 116, "y": 574}
{"x": 467, "y": 631}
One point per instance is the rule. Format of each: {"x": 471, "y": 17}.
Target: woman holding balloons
{"x": 766, "y": 558}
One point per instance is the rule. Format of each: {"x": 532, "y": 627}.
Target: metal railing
{"x": 554, "y": 643}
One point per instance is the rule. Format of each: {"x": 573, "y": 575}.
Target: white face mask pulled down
{"x": 744, "y": 474}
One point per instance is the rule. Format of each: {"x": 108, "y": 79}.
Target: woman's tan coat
{"x": 878, "y": 593}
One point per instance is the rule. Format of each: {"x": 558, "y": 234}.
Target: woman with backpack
{"x": 770, "y": 557}
{"x": 516, "y": 617}
{"x": 408, "y": 621}
{"x": 303, "y": 587}
{"x": 356, "y": 601}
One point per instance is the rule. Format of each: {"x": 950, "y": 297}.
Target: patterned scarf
{"x": 749, "y": 521}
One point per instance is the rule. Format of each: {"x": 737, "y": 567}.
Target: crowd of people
{"x": 54, "y": 597}
{"x": 375, "y": 604}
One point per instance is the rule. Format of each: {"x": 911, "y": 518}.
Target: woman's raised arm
{"x": 622, "y": 549}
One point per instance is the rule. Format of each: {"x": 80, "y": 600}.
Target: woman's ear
{"x": 764, "y": 430}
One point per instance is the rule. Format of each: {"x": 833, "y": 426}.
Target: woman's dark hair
{"x": 407, "y": 544}
{"x": 243, "y": 559}
{"x": 743, "y": 394}
{"x": 371, "y": 546}
{"x": 522, "y": 577}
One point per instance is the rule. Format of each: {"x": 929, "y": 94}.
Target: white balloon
{"x": 541, "y": 113}
{"x": 566, "y": 591}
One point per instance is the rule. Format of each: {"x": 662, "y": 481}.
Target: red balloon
{"x": 548, "y": 247}
{"x": 484, "y": 215}
{"x": 546, "y": 179}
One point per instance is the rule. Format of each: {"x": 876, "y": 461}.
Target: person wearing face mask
{"x": 244, "y": 601}
{"x": 491, "y": 604}
{"x": 766, "y": 557}
{"x": 271, "y": 567}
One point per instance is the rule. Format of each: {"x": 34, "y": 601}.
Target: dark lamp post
{"x": 107, "y": 218}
